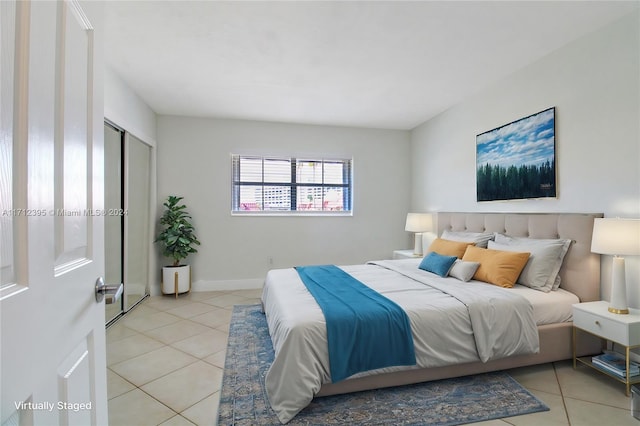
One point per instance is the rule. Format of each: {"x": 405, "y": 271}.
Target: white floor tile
{"x": 538, "y": 377}
{"x": 556, "y": 416}
{"x": 137, "y": 408}
{"x": 117, "y": 385}
{"x": 130, "y": 347}
{"x": 152, "y": 321}
{"x": 152, "y": 365}
{"x": 203, "y": 344}
{"x": 204, "y": 412}
{"x": 177, "y": 421}
{"x": 226, "y": 300}
{"x": 177, "y": 331}
{"x": 217, "y": 358}
{"x": 191, "y": 310}
{"x": 588, "y": 413}
{"x": 119, "y": 331}
{"x": 185, "y": 387}
{"x": 586, "y": 384}
{"x": 215, "y": 318}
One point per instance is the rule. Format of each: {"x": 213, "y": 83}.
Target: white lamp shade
{"x": 616, "y": 236}
{"x": 419, "y": 222}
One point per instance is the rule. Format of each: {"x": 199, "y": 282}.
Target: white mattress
{"x": 548, "y": 308}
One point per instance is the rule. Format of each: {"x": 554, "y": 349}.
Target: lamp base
{"x": 618, "y": 303}
{"x": 417, "y": 248}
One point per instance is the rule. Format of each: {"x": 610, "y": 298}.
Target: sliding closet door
{"x": 137, "y": 237}
{"x": 113, "y": 223}
{"x": 127, "y": 226}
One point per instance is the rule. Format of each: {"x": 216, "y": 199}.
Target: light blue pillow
{"x": 437, "y": 263}
{"x": 464, "y": 270}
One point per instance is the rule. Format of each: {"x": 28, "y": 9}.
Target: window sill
{"x": 294, "y": 213}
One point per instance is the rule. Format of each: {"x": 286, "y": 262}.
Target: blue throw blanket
{"x": 365, "y": 330}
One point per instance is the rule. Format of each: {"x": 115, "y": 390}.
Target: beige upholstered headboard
{"x": 580, "y": 271}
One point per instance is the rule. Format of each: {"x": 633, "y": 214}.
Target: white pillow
{"x": 504, "y": 239}
{"x": 427, "y": 239}
{"x": 463, "y": 269}
{"x": 543, "y": 266}
{"x": 480, "y": 239}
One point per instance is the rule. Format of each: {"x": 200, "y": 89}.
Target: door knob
{"x": 111, "y": 293}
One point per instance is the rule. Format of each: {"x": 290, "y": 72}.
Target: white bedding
{"x": 298, "y": 330}
{"x": 548, "y": 308}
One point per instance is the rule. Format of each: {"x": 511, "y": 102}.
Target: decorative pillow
{"x": 463, "y": 270}
{"x": 529, "y": 243}
{"x": 480, "y": 239}
{"x": 496, "y": 267}
{"x": 437, "y": 263}
{"x": 539, "y": 270}
{"x": 448, "y": 247}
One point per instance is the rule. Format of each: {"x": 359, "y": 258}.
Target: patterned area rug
{"x": 243, "y": 399}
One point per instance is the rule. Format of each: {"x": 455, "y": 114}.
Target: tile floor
{"x": 166, "y": 357}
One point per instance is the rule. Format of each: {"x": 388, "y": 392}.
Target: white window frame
{"x": 347, "y": 186}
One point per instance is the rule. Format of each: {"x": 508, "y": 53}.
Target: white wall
{"x": 594, "y": 84}
{"x": 194, "y": 162}
{"x": 124, "y": 108}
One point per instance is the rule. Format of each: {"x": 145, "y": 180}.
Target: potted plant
{"x": 177, "y": 239}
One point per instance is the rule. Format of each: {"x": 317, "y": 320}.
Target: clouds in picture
{"x": 529, "y": 141}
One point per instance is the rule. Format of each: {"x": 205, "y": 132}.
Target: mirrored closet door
{"x": 127, "y": 235}
{"x": 136, "y": 220}
{"x": 113, "y": 225}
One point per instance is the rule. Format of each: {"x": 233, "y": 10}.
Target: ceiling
{"x": 383, "y": 64}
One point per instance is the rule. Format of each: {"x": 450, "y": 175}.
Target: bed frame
{"x": 580, "y": 275}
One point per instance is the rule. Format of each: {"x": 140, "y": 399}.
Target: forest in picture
{"x": 517, "y": 160}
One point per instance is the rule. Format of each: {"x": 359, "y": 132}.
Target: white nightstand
{"x": 594, "y": 318}
{"x": 405, "y": 254}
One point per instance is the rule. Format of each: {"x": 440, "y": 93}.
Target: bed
{"x": 472, "y": 338}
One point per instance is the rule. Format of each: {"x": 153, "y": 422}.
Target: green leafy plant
{"x": 177, "y": 235}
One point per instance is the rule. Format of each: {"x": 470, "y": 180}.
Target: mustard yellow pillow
{"x": 498, "y": 267}
{"x": 448, "y": 247}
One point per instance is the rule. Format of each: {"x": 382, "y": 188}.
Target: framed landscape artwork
{"x": 518, "y": 160}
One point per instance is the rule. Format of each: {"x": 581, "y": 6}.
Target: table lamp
{"x": 418, "y": 223}
{"x": 617, "y": 237}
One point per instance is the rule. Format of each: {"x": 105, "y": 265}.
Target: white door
{"x": 52, "y": 365}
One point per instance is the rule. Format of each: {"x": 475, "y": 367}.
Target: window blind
{"x": 305, "y": 185}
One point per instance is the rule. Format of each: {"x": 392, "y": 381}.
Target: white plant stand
{"x": 176, "y": 279}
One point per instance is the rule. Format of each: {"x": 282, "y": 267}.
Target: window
{"x": 272, "y": 185}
